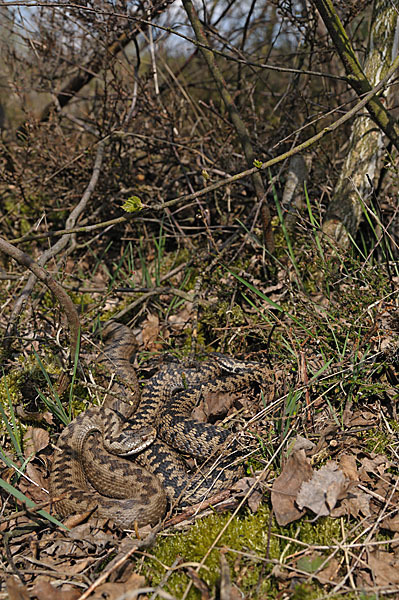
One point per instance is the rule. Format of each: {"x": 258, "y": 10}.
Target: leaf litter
{"x": 357, "y": 484}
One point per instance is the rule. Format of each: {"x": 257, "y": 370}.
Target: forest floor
{"x": 316, "y": 515}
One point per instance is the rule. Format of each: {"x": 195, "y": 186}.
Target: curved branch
{"x": 65, "y": 302}
{"x": 58, "y": 246}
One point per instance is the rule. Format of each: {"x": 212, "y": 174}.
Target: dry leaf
{"x": 150, "y": 330}
{"x": 242, "y": 486}
{"x": 35, "y": 440}
{"x": 35, "y": 492}
{"x": 254, "y": 501}
{"x": 182, "y": 319}
{"x": 347, "y": 463}
{"x": 376, "y": 464}
{"x": 391, "y": 523}
{"x": 384, "y": 567}
{"x": 364, "y": 579}
{"x": 199, "y": 583}
{"x": 198, "y": 413}
{"x": 301, "y": 443}
{"x": 295, "y": 472}
{"x": 321, "y": 493}
{"x": 225, "y": 578}
{"x": 217, "y": 404}
{"x": 358, "y": 503}
{"x": 43, "y": 590}
{"x": 37, "y": 417}
{"x": 112, "y": 591}
{"x": 362, "y": 418}
{"x": 328, "y": 574}
{"x": 16, "y": 591}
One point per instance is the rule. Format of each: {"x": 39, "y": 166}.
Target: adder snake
{"x": 91, "y": 470}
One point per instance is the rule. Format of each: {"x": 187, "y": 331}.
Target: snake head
{"x": 129, "y": 442}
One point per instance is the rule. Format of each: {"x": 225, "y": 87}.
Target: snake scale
{"x": 92, "y": 469}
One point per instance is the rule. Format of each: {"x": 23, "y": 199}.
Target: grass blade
{"x": 10, "y": 489}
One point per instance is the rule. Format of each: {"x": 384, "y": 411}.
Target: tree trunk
{"x": 366, "y": 143}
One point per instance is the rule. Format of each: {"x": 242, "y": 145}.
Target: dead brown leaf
{"x": 182, "y": 319}
{"x": 362, "y": 418}
{"x": 199, "y": 583}
{"x": 242, "y": 486}
{"x": 328, "y": 574}
{"x": 112, "y": 591}
{"x": 296, "y": 471}
{"x": 391, "y": 523}
{"x": 322, "y": 492}
{"x": 150, "y": 331}
{"x": 35, "y": 440}
{"x": 37, "y": 417}
{"x": 301, "y": 443}
{"x": 43, "y": 590}
{"x": 254, "y": 501}
{"x": 198, "y": 413}
{"x": 347, "y": 464}
{"x": 384, "y": 567}
{"x": 35, "y": 492}
{"x": 217, "y": 404}
{"x": 364, "y": 579}
{"x": 36, "y": 475}
{"x": 16, "y": 590}
{"x": 358, "y": 503}
{"x": 375, "y": 464}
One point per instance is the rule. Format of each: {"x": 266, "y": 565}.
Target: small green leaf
{"x": 205, "y": 175}
{"x": 132, "y": 204}
{"x": 310, "y": 564}
{"x": 258, "y": 163}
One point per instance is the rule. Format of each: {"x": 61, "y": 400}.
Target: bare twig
{"x": 104, "y": 576}
{"x": 234, "y": 178}
{"x": 65, "y": 302}
{"x": 55, "y": 249}
{"x": 240, "y": 127}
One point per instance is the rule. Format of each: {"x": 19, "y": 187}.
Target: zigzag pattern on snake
{"x": 90, "y": 469}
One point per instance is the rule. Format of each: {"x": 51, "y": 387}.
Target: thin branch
{"x": 234, "y": 178}
{"x": 240, "y": 127}
{"x": 174, "y": 32}
{"x": 65, "y": 302}
{"x": 355, "y": 74}
{"x": 57, "y": 248}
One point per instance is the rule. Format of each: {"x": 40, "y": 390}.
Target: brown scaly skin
{"x": 88, "y": 466}
{"x": 135, "y": 495}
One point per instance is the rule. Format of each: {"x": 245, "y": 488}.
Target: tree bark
{"x": 345, "y": 211}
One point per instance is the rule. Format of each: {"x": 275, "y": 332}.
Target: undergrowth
{"x": 315, "y": 326}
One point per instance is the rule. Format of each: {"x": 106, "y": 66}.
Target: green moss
{"x": 18, "y": 388}
{"x": 377, "y": 440}
{"x": 29, "y": 375}
{"x": 249, "y": 544}
{"x": 24, "y": 214}
{"x": 222, "y": 313}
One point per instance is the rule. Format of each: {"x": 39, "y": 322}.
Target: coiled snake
{"x": 90, "y": 469}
